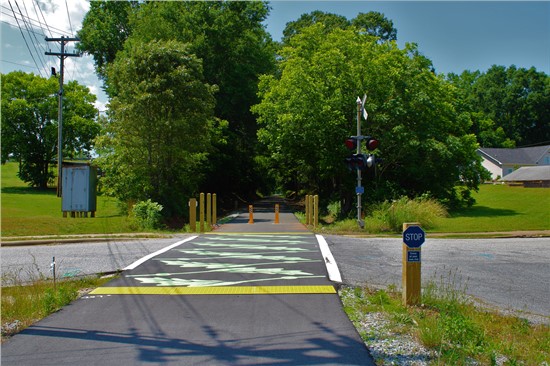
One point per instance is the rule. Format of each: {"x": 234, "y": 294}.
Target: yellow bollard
{"x": 310, "y": 210}
{"x": 209, "y": 210}
{"x": 277, "y": 213}
{"x": 251, "y": 214}
{"x": 315, "y": 210}
{"x": 201, "y": 212}
{"x": 305, "y": 207}
{"x": 193, "y": 214}
{"x": 214, "y": 210}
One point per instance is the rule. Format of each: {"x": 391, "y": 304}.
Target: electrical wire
{"x": 29, "y": 27}
{"x": 33, "y": 27}
{"x": 68, "y": 16}
{"x": 58, "y": 31}
{"x": 23, "y": 35}
{"x": 16, "y": 63}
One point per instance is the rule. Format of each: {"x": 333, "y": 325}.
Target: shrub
{"x": 147, "y": 214}
{"x": 392, "y": 215}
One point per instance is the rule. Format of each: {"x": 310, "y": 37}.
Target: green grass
{"x": 501, "y": 208}
{"x": 498, "y": 208}
{"x": 22, "y": 305}
{"x": 30, "y": 212}
{"x": 449, "y": 325}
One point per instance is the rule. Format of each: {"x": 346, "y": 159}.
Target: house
{"x": 501, "y": 162}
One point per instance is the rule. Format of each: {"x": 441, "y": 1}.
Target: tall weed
{"x": 392, "y": 215}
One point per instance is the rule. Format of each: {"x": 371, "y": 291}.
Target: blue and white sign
{"x": 413, "y": 256}
{"x": 414, "y": 236}
{"x": 360, "y": 190}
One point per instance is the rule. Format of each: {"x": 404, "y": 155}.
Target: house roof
{"x": 529, "y": 173}
{"x": 519, "y": 156}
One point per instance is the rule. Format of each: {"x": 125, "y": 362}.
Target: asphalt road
{"x": 30, "y": 262}
{"x": 512, "y": 273}
{"x": 265, "y": 299}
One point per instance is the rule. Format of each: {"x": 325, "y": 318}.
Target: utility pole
{"x": 62, "y": 55}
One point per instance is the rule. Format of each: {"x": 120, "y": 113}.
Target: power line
{"x": 9, "y": 2}
{"x": 68, "y": 16}
{"x": 16, "y": 63}
{"x": 29, "y": 27}
{"x": 32, "y": 20}
{"x": 43, "y": 18}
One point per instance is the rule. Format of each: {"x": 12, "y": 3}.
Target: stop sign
{"x": 414, "y": 236}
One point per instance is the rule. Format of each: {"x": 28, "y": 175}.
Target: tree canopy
{"x": 509, "y": 106}
{"x": 29, "y": 123}
{"x": 158, "y": 134}
{"x": 372, "y": 23}
{"x": 280, "y": 112}
{"x": 235, "y": 49}
{"x": 309, "y": 110}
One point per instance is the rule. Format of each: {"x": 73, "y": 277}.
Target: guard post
{"x": 251, "y": 214}
{"x": 214, "y": 209}
{"x": 413, "y": 238}
{"x": 201, "y": 212}
{"x": 315, "y": 210}
{"x": 309, "y": 209}
{"x": 209, "y": 209}
{"x": 193, "y": 214}
{"x": 276, "y": 213}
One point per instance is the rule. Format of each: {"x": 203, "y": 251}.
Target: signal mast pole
{"x": 62, "y": 55}
{"x": 359, "y": 190}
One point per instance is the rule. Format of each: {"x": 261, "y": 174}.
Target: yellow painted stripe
{"x": 219, "y": 290}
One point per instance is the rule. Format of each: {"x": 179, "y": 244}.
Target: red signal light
{"x": 372, "y": 144}
{"x": 351, "y": 143}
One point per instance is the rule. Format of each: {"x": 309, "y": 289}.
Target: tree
{"x": 235, "y": 48}
{"x": 330, "y": 22}
{"x": 29, "y": 123}
{"x": 508, "y": 106}
{"x": 160, "y": 124}
{"x": 309, "y": 110}
{"x": 372, "y": 23}
{"x": 105, "y": 28}
{"x": 375, "y": 24}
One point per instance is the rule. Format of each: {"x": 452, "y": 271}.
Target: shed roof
{"x": 529, "y": 173}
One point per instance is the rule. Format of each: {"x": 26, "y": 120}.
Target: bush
{"x": 392, "y": 215}
{"x": 147, "y": 214}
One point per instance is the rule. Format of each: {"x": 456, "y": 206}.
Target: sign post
{"x": 413, "y": 238}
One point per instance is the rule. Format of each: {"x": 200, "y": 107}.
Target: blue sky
{"x": 456, "y": 36}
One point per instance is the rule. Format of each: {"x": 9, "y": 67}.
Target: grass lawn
{"x": 27, "y": 211}
{"x": 501, "y": 208}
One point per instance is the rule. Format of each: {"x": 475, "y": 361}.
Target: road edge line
{"x": 330, "y": 262}
{"x": 149, "y": 256}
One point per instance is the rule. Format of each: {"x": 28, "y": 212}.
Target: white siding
{"x": 494, "y": 169}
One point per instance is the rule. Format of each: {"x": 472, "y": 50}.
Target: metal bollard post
{"x": 277, "y": 213}
{"x": 251, "y": 214}
{"x": 201, "y": 212}
{"x": 193, "y": 214}
{"x": 209, "y": 210}
{"x": 315, "y": 210}
{"x": 214, "y": 210}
